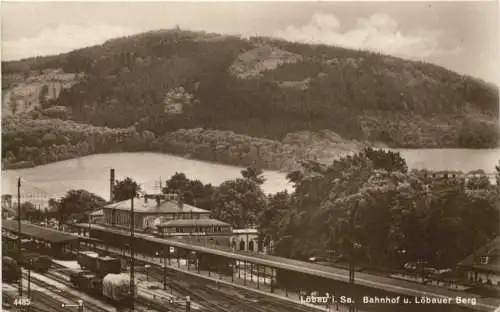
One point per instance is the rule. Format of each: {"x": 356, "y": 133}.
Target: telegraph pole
{"x": 19, "y": 247}
{"x": 132, "y": 286}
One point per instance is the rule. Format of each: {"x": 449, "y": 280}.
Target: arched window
{"x": 250, "y": 245}
{"x": 242, "y": 245}
{"x": 260, "y": 245}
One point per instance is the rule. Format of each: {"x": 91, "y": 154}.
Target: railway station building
{"x": 56, "y": 244}
{"x": 165, "y": 215}
{"x": 150, "y": 211}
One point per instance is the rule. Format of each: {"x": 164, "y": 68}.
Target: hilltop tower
{"x": 111, "y": 184}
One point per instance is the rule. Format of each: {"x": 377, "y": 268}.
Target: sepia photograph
{"x": 244, "y": 156}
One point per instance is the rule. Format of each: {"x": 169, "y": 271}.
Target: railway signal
{"x": 147, "y": 267}
{"x": 165, "y": 277}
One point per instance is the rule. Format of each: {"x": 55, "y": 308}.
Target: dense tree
{"x": 478, "y": 134}
{"x": 382, "y": 215}
{"x": 76, "y": 203}
{"x": 53, "y": 204}
{"x": 478, "y": 182}
{"x": 125, "y": 189}
{"x": 270, "y": 218}
{"x": 136, "y": 81}
{"x": 386, "y": 160}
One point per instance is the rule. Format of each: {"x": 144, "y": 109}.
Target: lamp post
{"x": 421, "y": 263}
{"x": 355, "y": 246}
{"x": 401, "y": 258}
{"x": 171, "y": 251}
{"x": 79, "y": 305}
{"x": 187, "y": 302}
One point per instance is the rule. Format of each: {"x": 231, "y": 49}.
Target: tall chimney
{"x": 180, "y": 204}
{"x": 111, "y": 184}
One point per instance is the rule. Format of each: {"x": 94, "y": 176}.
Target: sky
{"x": 461, "y": 36}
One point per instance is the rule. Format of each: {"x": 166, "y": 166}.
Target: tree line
{"x": 370, "y": 207}
{"x": 35, "y": 139}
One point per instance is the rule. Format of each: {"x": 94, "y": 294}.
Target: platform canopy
{"x": 38, "y": 232}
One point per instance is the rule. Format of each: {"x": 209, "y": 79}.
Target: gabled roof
{"x": 490, "y": 250}
{"x": 246, "y": 231}
{"x": 150, "y": 206}
{"x": 193, "y": 222}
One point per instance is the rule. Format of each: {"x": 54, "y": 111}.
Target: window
{"x": 484, "y": 260}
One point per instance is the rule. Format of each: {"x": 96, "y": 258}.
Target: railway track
{"x": 224, "y": 299}
{"x": 218, "y": 301}
{"x": 212, "y": 302}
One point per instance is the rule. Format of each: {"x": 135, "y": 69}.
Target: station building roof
{"x": 193, "y": 222}
{"x": 149, "y": 206}
{"x": 38, "y": 232}
{"x": 484, "y": 259}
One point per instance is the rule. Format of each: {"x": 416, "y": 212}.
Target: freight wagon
{"x": 33, "y": 260}
{"x": 89, "y": 260}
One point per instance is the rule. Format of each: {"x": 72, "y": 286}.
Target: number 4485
{"x": 22, "y": 302}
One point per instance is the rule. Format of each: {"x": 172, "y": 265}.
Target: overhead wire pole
{"x": 19, "y": 232}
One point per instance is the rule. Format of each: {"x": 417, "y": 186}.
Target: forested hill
{"x": 168, "y": 80}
